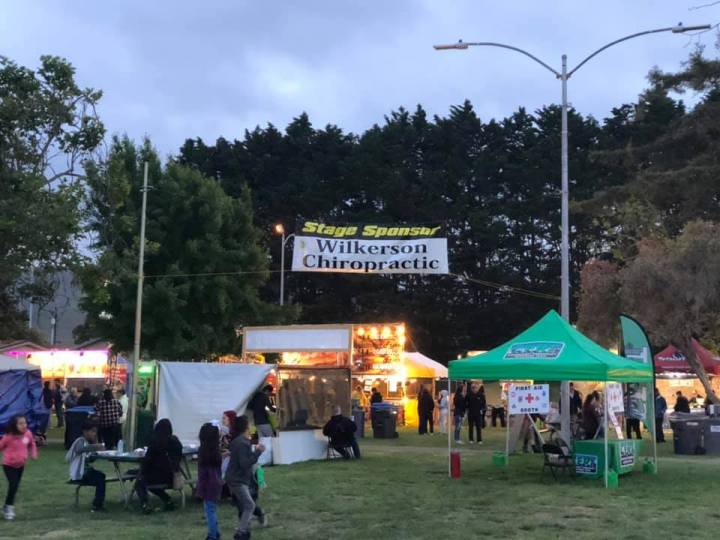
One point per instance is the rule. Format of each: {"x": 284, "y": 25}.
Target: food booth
{"x": 374, "y": 353}
{"x": 674, "y": 373}
{"x": 80, "y": 368}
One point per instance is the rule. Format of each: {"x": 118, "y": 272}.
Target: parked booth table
{"x": 590, "y": 456}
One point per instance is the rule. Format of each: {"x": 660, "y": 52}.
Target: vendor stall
{"x": 21, "y": 393}
{"x": 81, "y": 368}
{"x": 674, "y": 374}
{"x": 375, "y": 354}
{"x": 552, "y": 350}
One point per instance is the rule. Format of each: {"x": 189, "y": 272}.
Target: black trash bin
{"x": 686, "y": 436}
{"x": 384, "y": 421}
{"x": 74, "y": 419}
{"x": 711, "y": 436}
{"x": 358, "y": 416}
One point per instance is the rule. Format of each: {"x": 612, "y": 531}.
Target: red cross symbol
{"x": 530, "y": 398}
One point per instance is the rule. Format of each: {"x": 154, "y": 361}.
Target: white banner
{"x": 615, "y": 401}
{"x": 529, "y": 398}
{"x": 369, "y": 249}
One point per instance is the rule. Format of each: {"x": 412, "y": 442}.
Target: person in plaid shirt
{"x": 109, "y": 410}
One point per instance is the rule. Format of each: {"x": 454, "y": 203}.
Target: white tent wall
{"x": 192, "y": 393}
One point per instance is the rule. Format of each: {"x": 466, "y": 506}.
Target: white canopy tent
{"x": 422, "y": 361}
{"x": 193, "y": 393}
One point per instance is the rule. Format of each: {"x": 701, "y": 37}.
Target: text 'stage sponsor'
{"x": 370, "y": 248}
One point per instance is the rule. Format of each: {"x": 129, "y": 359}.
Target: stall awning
{"x": 550, "y": 350}
{"x": 671, "y": 360}
{"x": 419, "y": 365}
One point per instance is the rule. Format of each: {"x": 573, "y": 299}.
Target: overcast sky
{"x": 180, "y": 69}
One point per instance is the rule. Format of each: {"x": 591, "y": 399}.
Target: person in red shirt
{"x": 17, "y": 445}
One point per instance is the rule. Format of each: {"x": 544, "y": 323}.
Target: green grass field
{"x": 400, "y": 489}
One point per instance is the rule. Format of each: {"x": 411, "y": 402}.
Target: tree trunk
{"x": 685, "y": 347}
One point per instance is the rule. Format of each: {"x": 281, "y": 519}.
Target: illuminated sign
{"x": 70, "y": 364}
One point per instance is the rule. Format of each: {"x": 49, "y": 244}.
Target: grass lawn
{"x": 400, "y": 490}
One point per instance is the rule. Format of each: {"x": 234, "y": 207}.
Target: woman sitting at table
{"x": 591, "y": 415}
{"x": 161, "y": 462}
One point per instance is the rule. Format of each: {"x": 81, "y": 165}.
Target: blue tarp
{"x": 21, "y": 393}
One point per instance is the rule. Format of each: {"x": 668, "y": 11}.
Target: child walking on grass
{"x": 209, "y": 483}
{"x": 17, "y": 445}
{"x": 240, "y": 473}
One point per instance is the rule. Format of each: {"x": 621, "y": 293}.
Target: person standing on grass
{"x": 209, "y": 483}
{"x": 110, "y": 411}
{"x": 86, "y": 398}
{"x": 426, "y": 405}
{"x": 71, "y": 400}
{"x": 124, "y": 404}
{"x": 80, "y": 469}
{"x": 475, "y": 408}
{"x": 239, "y": 475}
{"x": 660, "y": 409}
{"x": 681, "y": 403}
{"x": 459, "y": 408}
{"x": 17, "y": 445}
{"x": 443, "y": 406}
{"x": 261, "y": 405}
{"x": 59, "y": 399}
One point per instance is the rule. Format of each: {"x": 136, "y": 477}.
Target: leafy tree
{"x": 673, "y": 287}
{"x": 600, "y": 306}
{"x": 203, "y": 262}
{"x": 48, "y": 127}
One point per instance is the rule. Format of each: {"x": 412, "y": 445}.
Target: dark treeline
{"x": 495, "y": 184}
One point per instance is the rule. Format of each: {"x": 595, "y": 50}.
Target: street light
{"x": 280, "y": 229}
{"x": 564, "y": 75}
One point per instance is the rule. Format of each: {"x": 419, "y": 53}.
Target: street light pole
{"x": 280, "y": 229}
{"x": 564, "y": 75}
{"x": 132, "y": 405}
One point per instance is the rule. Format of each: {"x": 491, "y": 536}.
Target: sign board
{"x": 586, "y": 464}
{"x": 297, "y": 338}
{"x": 370, "y": 248}
{"x": 529, "y": 399}
{"x": 627, "y": 455}
{"x": 615, "y": 401}
{"x": 546, "y": 350}
{"x": 714, "y": 429}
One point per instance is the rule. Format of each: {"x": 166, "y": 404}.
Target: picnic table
{"x": 120, "y": 459}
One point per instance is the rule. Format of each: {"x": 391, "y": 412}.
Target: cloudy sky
{"x": 180, "y": 69}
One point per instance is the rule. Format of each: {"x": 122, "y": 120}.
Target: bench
{"x": 166, "y": 487}
{"x": 80, "y": 484}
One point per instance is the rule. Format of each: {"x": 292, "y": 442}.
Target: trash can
{"x": 74, "y": 419}
{"x": 358, "y": 416}
{"x": 384, "y": 421}
{"x": 711, "y": 437}
{"x": 686, "y": 436}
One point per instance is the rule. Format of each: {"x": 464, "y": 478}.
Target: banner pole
{"x": 654, "y": 431}
{"x": 507, "y": 438}
{"x": 605, "y": 431}
{"x": 449, "y": 426}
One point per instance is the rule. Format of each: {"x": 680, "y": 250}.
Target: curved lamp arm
{"x": 462, "y": 45}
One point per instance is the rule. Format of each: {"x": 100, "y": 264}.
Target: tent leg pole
{"x": 507, "y": 438}
{"x": 449, "y": 426}
{"x": 605, "y": 431}
{"x": 654, "y": 427}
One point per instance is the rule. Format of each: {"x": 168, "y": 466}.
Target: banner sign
{"x": 586, "y": 464}
{"x": 615, "y": 402}
{"x": 529, "y": 398}
{"x": 370, "y": 248}
{"x": 641, "y": 397}
{"x": 545, "y": 350}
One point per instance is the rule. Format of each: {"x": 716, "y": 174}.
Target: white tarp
{"x": 192, "y": 393}
{"x": 8, "y": 363}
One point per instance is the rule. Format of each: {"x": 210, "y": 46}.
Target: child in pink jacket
{"x": 16, "y": 445}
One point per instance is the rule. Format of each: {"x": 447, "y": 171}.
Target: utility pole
{"x": 132, "y": 416}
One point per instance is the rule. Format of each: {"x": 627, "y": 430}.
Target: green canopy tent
{"x": 551, "y": 350}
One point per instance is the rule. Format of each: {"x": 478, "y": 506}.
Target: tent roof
{"x": 425, "y": 365}
{"x": 9, "y": 363}
{"x": 551, "y": 350}
{"x": 671, "y": 360}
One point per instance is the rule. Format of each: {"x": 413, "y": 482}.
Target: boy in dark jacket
{"x": 476, "y": 404}
{"x": 341, "y": 432}
{"x": 239, "y": 475}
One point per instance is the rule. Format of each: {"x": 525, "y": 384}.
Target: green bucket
{"x": 499, "y": 459}
{"x": 612, "y": 481}
{"x": 649, "y": 467}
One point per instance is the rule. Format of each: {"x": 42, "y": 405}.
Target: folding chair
{"x": 556, "y": 458}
